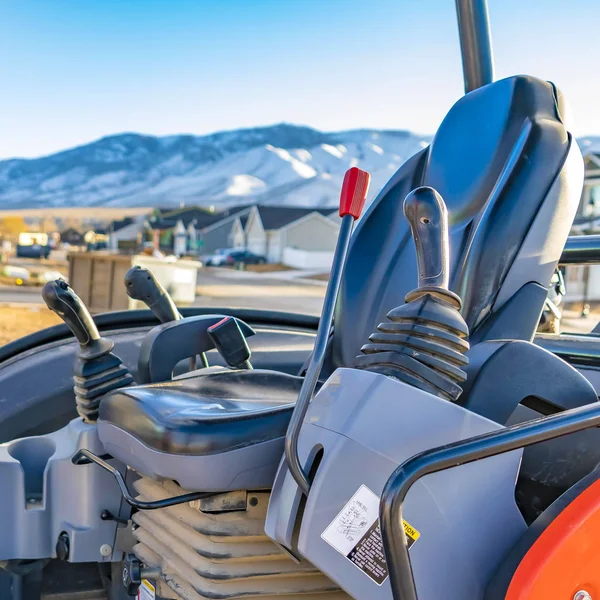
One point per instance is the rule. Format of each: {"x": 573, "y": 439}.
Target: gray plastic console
{"x": 358, "y": 429}
{"x": 42, "y": 494}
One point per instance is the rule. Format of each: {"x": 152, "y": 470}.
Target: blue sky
{"x": 75, "y": 70}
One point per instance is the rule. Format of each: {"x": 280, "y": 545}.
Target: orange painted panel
{"x": 566, "y": 556}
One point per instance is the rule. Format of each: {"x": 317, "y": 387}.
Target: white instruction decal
{"x": 356, "y": 534}
{"x": 146, "y": 591}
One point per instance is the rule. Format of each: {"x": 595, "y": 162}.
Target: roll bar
{"x": 475, "y": 43}
{"x": 453, "y": 455}
{"x": 581, "y": 250}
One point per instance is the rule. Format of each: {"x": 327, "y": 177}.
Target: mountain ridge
{"x": 280, "y": 164}
{"x": 283, "y": 165}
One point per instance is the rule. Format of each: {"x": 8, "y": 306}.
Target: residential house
{"x": 583, "y": 282}
{"x": 127, "y": 233}
{"x": 299, "y": 237}
{"x": 72, "y": 237}
{"x": 196, "y": 229}
{"x": 590, "y": 198}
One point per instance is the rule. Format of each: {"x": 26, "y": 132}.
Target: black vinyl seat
{"x": 218, "y": 412}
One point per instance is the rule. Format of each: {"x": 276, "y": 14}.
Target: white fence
{"x": 306, "y": 259}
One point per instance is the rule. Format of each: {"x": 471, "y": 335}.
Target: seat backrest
{"x": 511, "y": 175}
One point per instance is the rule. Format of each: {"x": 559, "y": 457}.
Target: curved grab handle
{"x": 459, "y": 453}
{"x": 427, "y": 216}
{"x": 61, "y": 299}
{"x": 85, "y": 456}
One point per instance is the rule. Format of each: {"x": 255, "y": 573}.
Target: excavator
{"x": 421, "y": 440}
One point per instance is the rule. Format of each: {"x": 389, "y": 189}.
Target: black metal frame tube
{"x": 581, "y": 250}
{"x": 475, "y": 43}
{"x": 454, "y": 455}
{"x": 318, "y": 355}
{"x": 84, "y": 456}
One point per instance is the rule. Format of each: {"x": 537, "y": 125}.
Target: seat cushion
{"x": 208, "y": 414}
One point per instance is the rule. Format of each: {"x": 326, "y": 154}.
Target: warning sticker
{"x": 146, "y": 591}
{"x": 356, "y": 534}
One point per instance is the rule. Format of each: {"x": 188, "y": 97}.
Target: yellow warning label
{"x": 411, "y": 533}
{"x": 146, "y": 591}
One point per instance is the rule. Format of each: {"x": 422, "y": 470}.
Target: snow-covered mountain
{"x": 282, "y": 164}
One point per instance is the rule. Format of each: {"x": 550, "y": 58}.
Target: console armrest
{"x": 167, "y": 344}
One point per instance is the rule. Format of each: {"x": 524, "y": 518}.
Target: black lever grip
{"x": 141, "y": 285}
{"x": 427, "y": 216}
{"x": 60, "y": 298}
{"x": 231, "y": 343}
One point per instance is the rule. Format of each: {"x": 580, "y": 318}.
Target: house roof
{"x": 276, "y": 217}
{"x": 201, "y": 217}
{"x": 117, "y": 225}
{"x": 592, "y": 159}
{"x": 163, "y": 224}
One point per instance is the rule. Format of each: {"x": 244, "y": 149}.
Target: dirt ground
{"x": 15, "y": 322}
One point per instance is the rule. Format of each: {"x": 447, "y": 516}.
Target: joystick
{"x": 424, "y": 342}
{"x": 142, "y": 285}
{"x": 97, "y": 370}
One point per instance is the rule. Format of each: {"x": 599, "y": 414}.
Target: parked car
{"x": 219, "y": 258}
{"x": 246, "y": 257}
{"x": 33, "y": 251}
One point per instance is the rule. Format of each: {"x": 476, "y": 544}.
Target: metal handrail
{"x": 453, "y": 455}
{"x": 475, "y": 43}
{"x": 581, "y": 250}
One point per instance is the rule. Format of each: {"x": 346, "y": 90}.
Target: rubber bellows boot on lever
{"x": 97, "y": 370}
{"x": 423, "y": 342}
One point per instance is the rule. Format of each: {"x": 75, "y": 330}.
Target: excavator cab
{"x": 428, "y": 447}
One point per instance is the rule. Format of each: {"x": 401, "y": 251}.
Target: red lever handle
{"x": 354, "y": 192}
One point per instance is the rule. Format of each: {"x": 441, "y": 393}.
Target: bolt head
{"x": 582, "y": 595}
{"x": 131, "y": 574}
{"x": 106, "y": 550}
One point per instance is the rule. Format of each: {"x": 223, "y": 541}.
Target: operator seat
{"x": 511, "y": 175}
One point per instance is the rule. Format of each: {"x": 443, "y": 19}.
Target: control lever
{"x": 424, "y": 342}
{"x": 97, "y": 370}
{"x": 142, "y": 285}
{"x": 427, "y": 216}
{"x": 61, "y": 299}
{"x": 231, "y": 343}
{"x": 352, "y": 200}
